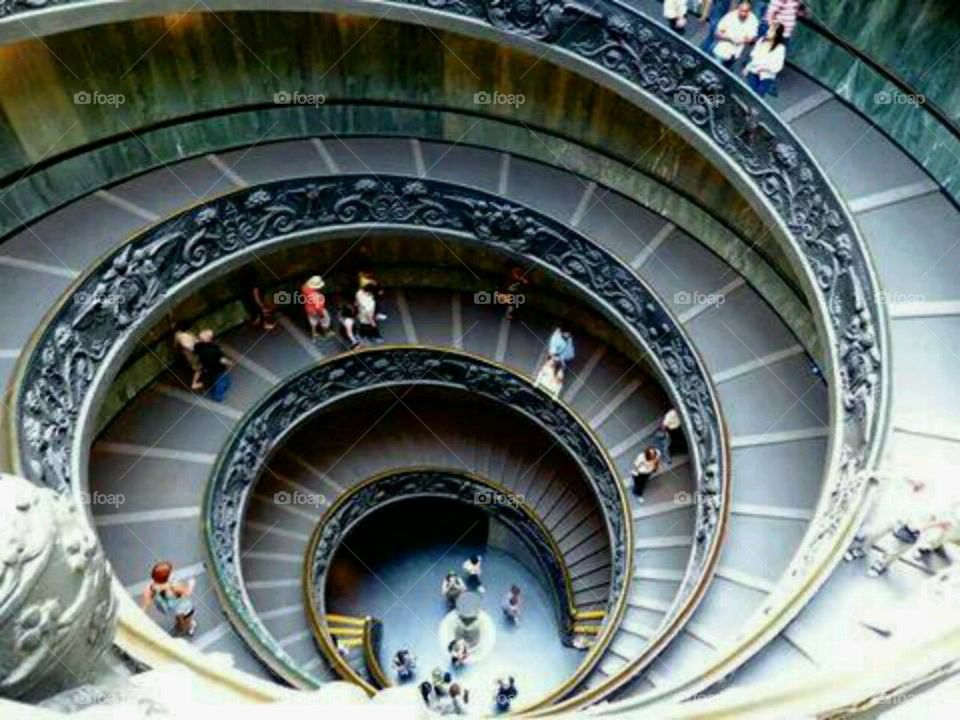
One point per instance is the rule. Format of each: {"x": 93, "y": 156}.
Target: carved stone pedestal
{"x": 57, "y": 609}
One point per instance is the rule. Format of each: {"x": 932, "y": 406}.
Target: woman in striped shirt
{"x": 784, "y": 12}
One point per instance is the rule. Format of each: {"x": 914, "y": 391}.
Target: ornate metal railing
{"x": 400, "y": 484}
{"x": 86, "y": 338}
{"x": 650, "y": 65}
{"x": 645, "y": 56}
{"x": 372, "y": 632}
{"x": 288, "y": 405}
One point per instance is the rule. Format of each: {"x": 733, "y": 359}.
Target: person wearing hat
{"x": 315, "y": 305}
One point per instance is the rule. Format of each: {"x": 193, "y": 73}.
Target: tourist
{"x": 404, "y": 663}
{"x": 459, "y": 653}
{"x": 184, "y": 344}
{"x": 712, "y": 12}
{"x": 735, "y": 31}
{"x": 459, "y": 701}
{"x": 260, "y": 308}
{"x": 213, "y": 365}
{"x": 511, "y": 605}
{"x": 473, "y": 567}
{"x": 786, "y": 14}
{"x": 668, "y": 437}
{"x": 427, "y": 693}
{"x": 907, "y": 498}
{"x": 367, "y": 280}
{"x": 512, "y": 294}
{"x": 347, "y": 318}
{"x": 171, "y": 598}
{"x": 766, "y": 61}
{"x": 505, "y": 693}
{"x": 944, "y": 528}
{"x": 560, "y": 347}
{"x": 452, "y": 588}
{"x": 645, "y": 465}
{"x": 315, "y": 306}
{"x": 939, "y": 529}
{"x": 441, "y": 682}
{"x": 675, "y": 13}
{"x": 550, "y": 378}
{"x": 367, "y": 315}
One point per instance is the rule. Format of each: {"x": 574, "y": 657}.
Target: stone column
{"x": 57, "y": 608}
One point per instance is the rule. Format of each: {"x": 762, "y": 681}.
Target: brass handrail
{"x": 314, "y": 613}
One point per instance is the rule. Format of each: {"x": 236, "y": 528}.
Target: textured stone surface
{"x": 57, "y": 609}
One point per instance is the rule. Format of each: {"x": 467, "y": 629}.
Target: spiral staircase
{"x": 799, "y": 372}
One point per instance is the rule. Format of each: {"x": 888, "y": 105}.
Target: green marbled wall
{"x": 917, "y": 39}
{"x": 182, "y": 77}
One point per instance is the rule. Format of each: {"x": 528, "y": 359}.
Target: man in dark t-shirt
{"x": 212, "y": 373}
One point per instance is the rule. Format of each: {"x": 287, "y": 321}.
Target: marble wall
{"x": 920, "y": 41}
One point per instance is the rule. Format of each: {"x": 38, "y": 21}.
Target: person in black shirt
{"x": 212, "y": 373}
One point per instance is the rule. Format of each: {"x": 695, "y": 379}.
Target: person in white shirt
{"x": 646, "y": 464}
{"x": 736, "y": 30}
{"x": 472, "y": 566}
{"x": 766, "y": 61}
{"x": 675, "y": 12}
{"x": 366, "y": 303}
{"x": 550, "y": 377}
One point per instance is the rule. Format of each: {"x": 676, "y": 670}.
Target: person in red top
{"x": 315, "y": 305}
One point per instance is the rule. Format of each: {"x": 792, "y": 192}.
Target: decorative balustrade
{"x": 78, "y": 353}
{"x": 290, "y": 404}
{"x": 367, "y": 497}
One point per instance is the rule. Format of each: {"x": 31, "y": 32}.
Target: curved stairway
{"x": 775, "y": 407}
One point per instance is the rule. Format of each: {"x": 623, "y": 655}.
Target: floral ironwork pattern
{"x": 336, "y": 525}
{"x": 119, "y": 298}
{"x": 291, "y": 403}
